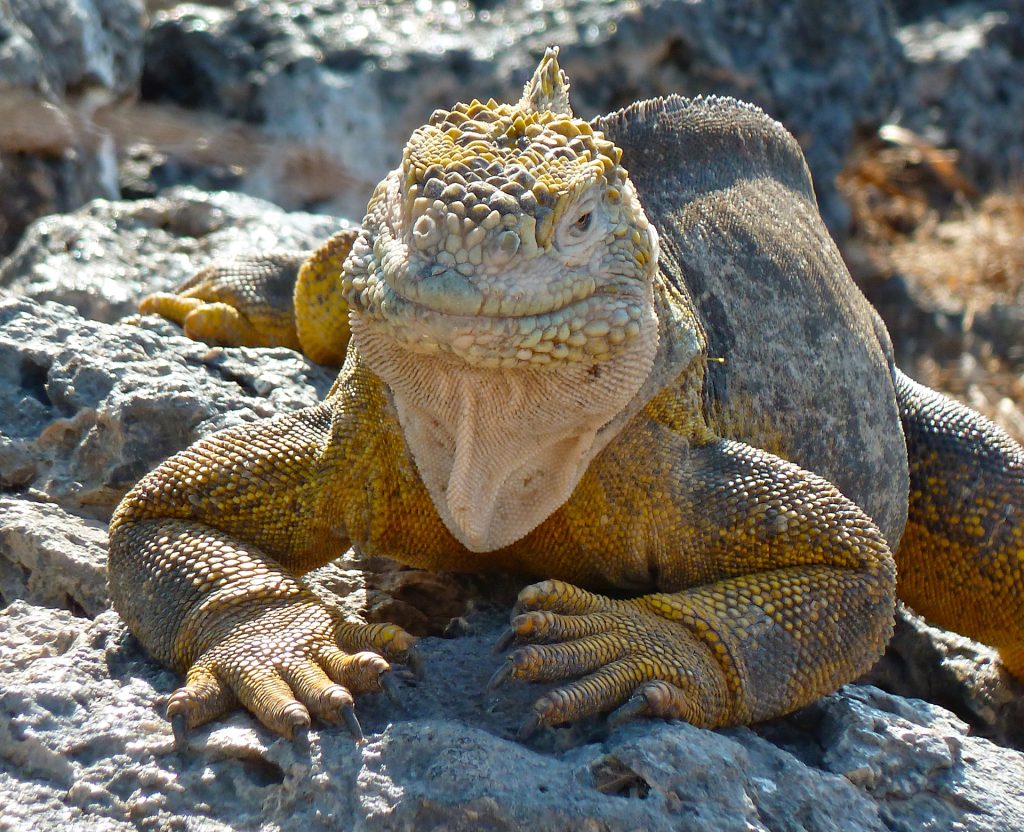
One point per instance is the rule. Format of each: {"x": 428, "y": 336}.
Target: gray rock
{"x": 61, "y": 63}
{"x": 81, "y": 740}
{"x": 964, "y": 86}
{"x": 337, "y": 87}
{"x": 51, "y": 557}
{"x": 86, "y": 408}
{"x": 103, "y": 258}
{"x": 33, "y": 633}
{"x": 920, "y": 764}
{"x": 952, "y": 671}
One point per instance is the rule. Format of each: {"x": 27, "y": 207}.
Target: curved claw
{"x": 348, "y": 716}
{"x": 389, "y": 685}
{"x": 300, "y": 736}
{"x": 501, "y": 675}
{"x": 529, "y": 726}
{"x": 179, "y": 726}
{"x": 504, "y": 640}
{"x": 414, "y": 661}
{"x": 630, "y": 710}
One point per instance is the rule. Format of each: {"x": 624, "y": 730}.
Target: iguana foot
{"x": 270, "y": 299}
{"x": 623, "y": 651}
{"x": 286, "y": 663}
{"x": 213, "y": 323}
{"x": 246, "y": 302}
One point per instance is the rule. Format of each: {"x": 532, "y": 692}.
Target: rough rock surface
{"x": 964, "y": 85}
{"x": 104, "y": 257}
{"x": 61, "y": 63}
{"x": 952, "y": 671}
{"x": 51, "y": 557}
{"x": 86, "y": 408}
{"x": 338, "y": 86}
{"x": 82, "y": 746}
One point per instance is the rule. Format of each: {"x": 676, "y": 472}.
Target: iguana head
{"x": 510, "y": 236}
{"x": 502, "y": 287}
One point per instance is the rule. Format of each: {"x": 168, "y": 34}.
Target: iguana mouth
{"x": 511, "y": 296}
{"x": 577, "y": 323}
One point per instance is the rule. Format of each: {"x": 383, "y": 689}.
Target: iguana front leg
{"x": 273, "y": 299}
{"x": 791, "y": 595}
{"x": 205, "y": 558}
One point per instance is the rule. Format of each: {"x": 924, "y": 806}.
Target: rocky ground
{"x": 910, "y": 115}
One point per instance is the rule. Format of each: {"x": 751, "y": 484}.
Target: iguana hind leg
{"x": 274, "y": 299}
{"x": 961, "y": 560}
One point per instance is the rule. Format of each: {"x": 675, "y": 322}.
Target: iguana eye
{"x": 581, "y": 225}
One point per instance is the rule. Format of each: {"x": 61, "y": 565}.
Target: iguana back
{"x": 801, "y": 364}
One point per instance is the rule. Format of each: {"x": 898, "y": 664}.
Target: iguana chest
{"x": 616, "y": 531}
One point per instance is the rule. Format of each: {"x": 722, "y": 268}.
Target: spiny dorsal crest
{"x": 548, "y": 89}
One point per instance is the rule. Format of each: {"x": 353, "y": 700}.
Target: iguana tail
{"x": 961, "y": 560}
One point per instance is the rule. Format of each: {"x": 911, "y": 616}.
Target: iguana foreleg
{"x": 794, "y": 596}
{"x": 205, "y": 558}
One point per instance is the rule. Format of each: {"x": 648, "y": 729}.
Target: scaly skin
{"x": 739, "y": 626}
{"x": 276, "y": 299}
{"x": 961, "y": 561}
{"x": 523, "y": 392}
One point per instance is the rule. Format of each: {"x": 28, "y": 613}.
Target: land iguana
{"x": 659, "y": 385}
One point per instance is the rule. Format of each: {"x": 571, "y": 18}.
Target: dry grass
{"x": 961, "y": 255}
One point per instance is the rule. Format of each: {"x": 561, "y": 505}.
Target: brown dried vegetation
{"x": 944, "y": 264}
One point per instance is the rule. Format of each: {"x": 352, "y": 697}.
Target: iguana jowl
{"x": 527, "y": 389}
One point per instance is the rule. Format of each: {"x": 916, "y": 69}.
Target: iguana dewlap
{"x": 560, "y": 368}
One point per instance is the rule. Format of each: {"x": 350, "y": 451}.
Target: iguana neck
{"x": 500, "y": 450}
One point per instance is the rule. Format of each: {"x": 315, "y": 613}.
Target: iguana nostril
{"x": 425, "y": 233}
{"x": 502, "y": 248}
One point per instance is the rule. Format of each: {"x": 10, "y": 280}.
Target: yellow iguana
{"x": 617, "y": 382}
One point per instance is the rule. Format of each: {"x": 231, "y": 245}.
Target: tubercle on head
{"x": 485, "y": 169}
{"x": 509, "y": 236}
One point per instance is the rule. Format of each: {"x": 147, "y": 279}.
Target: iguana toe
{"x": 552, "y": 662}
{"x": 358, "y": 672}
{"x": 203, "y": 697}
{"x": 543, "y": 626}
{"x": 623, "y": 650}
{"x": 169, "y": 305}
{"x": 654, "y": 699}
{"x": 558, "y": 597}
{"x": 221, "y": 323}
{"x": 601, "y": 691}
{"x": 389, "y": 640}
